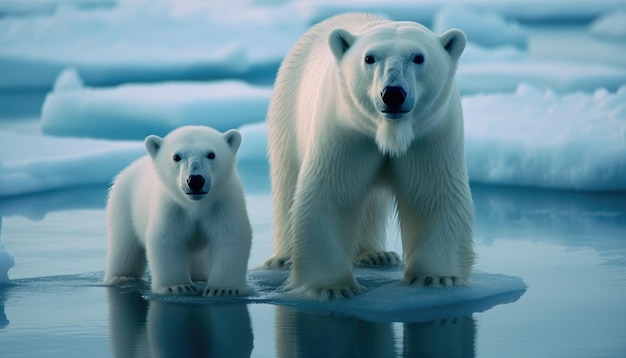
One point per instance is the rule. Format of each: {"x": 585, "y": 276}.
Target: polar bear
{"x": 365, "y": 116}
{"x": 182, "y": 208}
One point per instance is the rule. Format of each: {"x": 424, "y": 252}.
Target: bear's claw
{"x": 378, "y": 259}
{"x": 327, "y": 294}
{"x": 434, "y": 281}
{"x": 220, "y": 292}
{"x": 178, "y": 290}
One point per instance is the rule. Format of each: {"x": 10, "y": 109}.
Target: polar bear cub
{"x": 181, "y": 209}
{"x": 365, "y": 117}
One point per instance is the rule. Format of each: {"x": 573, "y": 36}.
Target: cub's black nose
{"x": 195, "y": 182}
{"x": 393, "y": 96}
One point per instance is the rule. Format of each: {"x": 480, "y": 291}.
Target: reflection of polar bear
{"x": 364, "y": 108}
{"x": 140, "y": 328}
{"x": 184, "y": 207}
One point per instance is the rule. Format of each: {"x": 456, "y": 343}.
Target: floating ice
{"x": 33, "y": 163}
{"x": 481, "y": 27}
{"x": 527, "y": 138}
{"x": 140, "y": 41}
{"x": 148, "y": 41}
{"x": 612, "y": 25}
{"x": 385, "y": 299}
{"x": 540, "y": 139}
{"x": 134, "y": 111}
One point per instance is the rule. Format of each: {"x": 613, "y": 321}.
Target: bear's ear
{"x": 454, "y": 42}
{"x": 153, "y": 144}
{"x": 233, "y": 138}
{"x": 340, "y": 41}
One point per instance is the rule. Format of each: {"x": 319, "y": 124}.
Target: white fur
{"x": 186, "y": 236}
{"x": 341, "y": 156}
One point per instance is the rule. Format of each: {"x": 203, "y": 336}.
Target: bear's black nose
{"x": 195, "y": 182}
{"x": 393, "y": 96}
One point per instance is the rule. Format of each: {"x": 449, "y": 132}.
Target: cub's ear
{"x": 340, "y": 41}
{"x": 153, "y": 144}
{"x": 233, "y": 138}
{"x": 454, "y": 42}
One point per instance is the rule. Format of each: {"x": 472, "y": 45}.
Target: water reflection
{"x": 140, "y": 328}
{"x": 4, "y": 321}
{"x": 300, "y": 334}
{"x": 453, "y": 337}
{"x": 596, "y": 220}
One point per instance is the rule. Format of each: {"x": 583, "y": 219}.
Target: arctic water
{"x": 568, "y": 248}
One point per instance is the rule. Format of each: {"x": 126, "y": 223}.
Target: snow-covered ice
{"x": 541, "y": 139}
{"x": 33, "y": 163}
{"x": 481, "y": 27}
{"x": 147, "y": 41}
{"x": 612, "y": 26}
{"x": 135, "y": 111}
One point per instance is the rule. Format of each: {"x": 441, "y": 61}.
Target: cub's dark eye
{"x": 419, "y": 59}
{"x": 369, "y": 60}
{"x": 211, "y": 155}
{"x": 176, "y": 158}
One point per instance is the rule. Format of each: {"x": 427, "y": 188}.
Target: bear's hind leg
{"x": 283, "y": 188}
{"x": 372, "y": 232}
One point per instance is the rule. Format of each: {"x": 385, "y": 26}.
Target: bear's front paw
{"x": 328, "y": 293}
{"x": 222, "y": 292}
{"x": 278, "y": 263}
{"x": 378, "y": 259}
{"x": 178, "y": 290}
{"x": 434, "y": 281}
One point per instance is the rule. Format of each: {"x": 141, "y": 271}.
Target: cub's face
{"x": 395, "y": 72}
{"x": 194, "y": 161}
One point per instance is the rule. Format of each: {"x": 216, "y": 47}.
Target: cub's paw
{"x": 222, "y": 292}
{"x": 434, "y": 281}
{"x": 377, "y": 259}
{"x": 178, "y": 290}
{"x": 278, "y": 263}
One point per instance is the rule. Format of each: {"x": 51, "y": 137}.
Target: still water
{"x": 569, "y": 248}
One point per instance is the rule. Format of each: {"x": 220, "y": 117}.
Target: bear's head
{"x": 192, "y": 161}
{"x": 397, "y": 76}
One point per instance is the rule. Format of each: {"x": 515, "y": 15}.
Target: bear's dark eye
{"x": 369, "y": 59}
{"x": 176, "y": 158}
{"x": 419, "y": 59}
{"x": 211, "y": 155}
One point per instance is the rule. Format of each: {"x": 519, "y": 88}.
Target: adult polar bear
{"x": 366, "y": 110}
